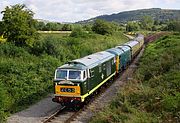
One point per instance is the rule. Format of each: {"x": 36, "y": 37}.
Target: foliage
{"x": 103, "y": 27}
{"x": 78, "y": 32}
{"x": 173, "y": 25}
{"x": 154, "y": 95}
{"x": 67, "y": 27}
{"x": 51, "y": 26}
{"x": 87, "y": 27}
{"x": 132, "y": 26}
{"x": 1, "y": 28}
{"x": 40, "y": 26}
{"x": 54, "y": 26}
{"x": 147, "y": 22}
{"x": 19, "y": 25}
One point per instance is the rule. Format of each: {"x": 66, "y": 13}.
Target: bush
{"x": 78, "y": 32}
{"x": 103, "y": 27}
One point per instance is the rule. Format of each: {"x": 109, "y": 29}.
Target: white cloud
{"x": 4, "y": 3}
{"x": 75, "y": 10}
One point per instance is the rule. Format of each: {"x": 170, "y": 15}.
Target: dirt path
{"x": 35, "y": 113}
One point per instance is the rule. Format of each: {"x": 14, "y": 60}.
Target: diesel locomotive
{"x": 77, "y": 80}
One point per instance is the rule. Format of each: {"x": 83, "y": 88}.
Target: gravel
{"x": 35, "y": 113}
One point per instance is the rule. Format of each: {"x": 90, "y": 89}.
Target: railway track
{"x": 64, "y": 115}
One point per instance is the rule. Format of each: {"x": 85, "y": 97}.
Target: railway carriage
{"x": 78, "y": 79}
{"x": 140, "y": 38}
{"x": 120, "y": 58}
{"x": 134, "y": 46}
{"x": 126, "y": 56}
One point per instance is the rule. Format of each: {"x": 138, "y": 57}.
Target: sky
{"x": 77, "y": 10}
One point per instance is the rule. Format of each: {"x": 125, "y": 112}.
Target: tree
{"x": 87, "y": 27}
{"x": 78, "y": 32}
{"x": 132, "y": 26}
{"x": 40, "y": 26}
{"x": 174, "y": 25}
{"x": 1, "y": 28}
{"x": 67, "y": 27}
{"x": 102, "y": 27}
{"x": 53, "y": 26}
{"x": 147, "y": 22}
{"x": 19, "y": 25}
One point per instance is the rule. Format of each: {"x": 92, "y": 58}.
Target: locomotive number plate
{"x": 71, "y": 90}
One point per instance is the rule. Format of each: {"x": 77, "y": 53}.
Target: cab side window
{"x": 91, "y": 73}
{"x": 84, "y": 75}
{"x": 100, "y": 68}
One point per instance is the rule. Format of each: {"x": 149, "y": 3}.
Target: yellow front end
{"x": 117, "y": 64}
{"x": 70, "y": 91}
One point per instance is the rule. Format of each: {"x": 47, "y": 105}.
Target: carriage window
{"x": 100, "y": 68}
{"x": 104, "y": 66}
{"x": 61, "y": 74}
{"x": 75, "y": 75}
{"x": 108, "y": 68}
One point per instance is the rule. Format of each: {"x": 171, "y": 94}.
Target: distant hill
{"x": 136, "y": 15}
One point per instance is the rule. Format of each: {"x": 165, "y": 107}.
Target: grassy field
{"x": 55, "y": 34}
{"x": 26, "y": 73}
{"x": 154, "y": 95}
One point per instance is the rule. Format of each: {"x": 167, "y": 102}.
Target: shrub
{"x": 103, "y": 27}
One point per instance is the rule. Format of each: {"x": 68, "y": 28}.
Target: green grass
{"x": 26, "y": 73}
{"x": 154, "y": 95}
{"x": 54, "y": 34}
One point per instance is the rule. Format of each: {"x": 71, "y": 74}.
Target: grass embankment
{"x": 154, "y": 94}
{"x": 26, "y": 73}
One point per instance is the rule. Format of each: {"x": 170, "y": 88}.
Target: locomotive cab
{"x": 68, "y": 82}
{"x": 71, "y": 75}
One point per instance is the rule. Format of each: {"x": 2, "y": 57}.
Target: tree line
{"x": 19, "y": 27}
{"x": 148, "y": 23}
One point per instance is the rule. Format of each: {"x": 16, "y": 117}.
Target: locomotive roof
{"x": 116, "y": 51}
{"x": 124, "y": 48}
{"x": 94, "y": 59}
{"x": 73, "y": 66}
{"x": 132, "y": 43}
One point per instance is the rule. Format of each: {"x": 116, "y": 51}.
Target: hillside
{"x": 153, "y": 95}
{"x": 136, "y": 15}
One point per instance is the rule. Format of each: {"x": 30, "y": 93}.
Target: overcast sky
{"x": 76, "y": 10}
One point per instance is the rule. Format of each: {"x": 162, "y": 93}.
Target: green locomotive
{"x": 79, "y": 78}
